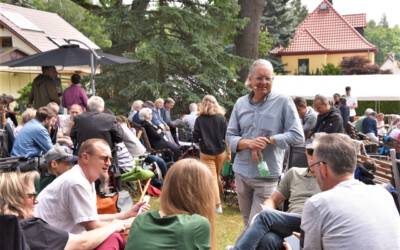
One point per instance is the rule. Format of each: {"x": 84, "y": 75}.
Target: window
{"x": 5, "y": 42}
{"x": 303, "y": 67}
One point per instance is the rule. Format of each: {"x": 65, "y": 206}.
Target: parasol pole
{"x": 93, "y": 55}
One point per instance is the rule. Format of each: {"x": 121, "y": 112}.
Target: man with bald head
{"x": 329, "y": 119}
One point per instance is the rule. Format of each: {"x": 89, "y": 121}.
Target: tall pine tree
{"x": 280, "y": 19}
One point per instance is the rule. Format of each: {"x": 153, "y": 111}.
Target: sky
{"x": 373, "y": 8}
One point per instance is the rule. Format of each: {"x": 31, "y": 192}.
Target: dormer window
{"x": 5, "y": 42}
{"x": 323, "y": 7}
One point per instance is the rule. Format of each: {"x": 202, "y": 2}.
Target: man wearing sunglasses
{"x": 348, "y": 214}
{"x": 270, "y": 226}
{"x": 69, "y": 202}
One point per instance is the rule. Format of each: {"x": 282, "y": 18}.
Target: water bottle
{"x": 262, "y": 166}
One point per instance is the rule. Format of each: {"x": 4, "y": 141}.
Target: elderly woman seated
{"x": 156, "y": 135}
{"x": 18, "y": 198}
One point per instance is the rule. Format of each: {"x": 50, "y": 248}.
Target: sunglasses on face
{"x": 310, "y": 151}
{"x": 104, "y": 158}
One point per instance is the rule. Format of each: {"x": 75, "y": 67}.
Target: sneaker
{"x": 219, "y": 210}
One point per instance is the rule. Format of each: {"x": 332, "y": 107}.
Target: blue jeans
{"x": 160, "y": 162}
{"x": 268, "y": 230}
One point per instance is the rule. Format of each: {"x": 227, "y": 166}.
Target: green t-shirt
{"x": 180, "y": 232}
{"x": 358, "y": 123}
{"x": 298, "y": 185}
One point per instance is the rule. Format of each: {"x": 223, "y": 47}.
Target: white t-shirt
{"x": 350, "y": 102}
{"x": 351, "y": 215}
{"x": 69, "y": 200}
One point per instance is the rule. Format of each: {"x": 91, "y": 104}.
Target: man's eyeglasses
{"x": 268, "y": 79}
{"x": 32, "y": 196}
{"x": 317, "y": 163}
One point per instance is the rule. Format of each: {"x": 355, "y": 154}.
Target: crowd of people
{"x": 86, "y": 149}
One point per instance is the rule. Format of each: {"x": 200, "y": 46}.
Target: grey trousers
{"x": 251, "y": 194}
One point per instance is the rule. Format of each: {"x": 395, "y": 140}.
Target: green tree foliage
{"x": 331, "y": 69}
{"x": 386, "y": 39}
{"x": 280, "y": 19}
{"x": 298, "y": 11}
{"x": 23, "y": 98}
{"x": 180, "y": 49}
{"x": 384, "y": 22}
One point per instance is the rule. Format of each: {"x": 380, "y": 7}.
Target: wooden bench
{"x": 387, "y": 172}
{"x": 383, "y": 172}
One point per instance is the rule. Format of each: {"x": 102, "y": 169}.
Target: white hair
{"x": 137, "y": 105}
{"x": 95, "y": 103}
{"x": 368, "y": 111}
{"x": 193, "y": 107}
{"x": 258, "y": 63}
{"x": 144, "y": 112}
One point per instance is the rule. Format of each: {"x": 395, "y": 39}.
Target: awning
{"x": 364, "y": 87}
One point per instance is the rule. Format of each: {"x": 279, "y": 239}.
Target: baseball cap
{"x": 60, "y": 153}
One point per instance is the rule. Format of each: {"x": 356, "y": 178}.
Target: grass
{"x": 228, "y": 226}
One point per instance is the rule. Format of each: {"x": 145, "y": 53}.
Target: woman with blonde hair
{"x": 185, "y": 220}
{"x": 209, "y": 131}
{"x": 18, "y": 198}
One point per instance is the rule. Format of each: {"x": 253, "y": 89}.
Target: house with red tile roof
{"x": 325, "y": 37}
{"x": 25, "y": 31}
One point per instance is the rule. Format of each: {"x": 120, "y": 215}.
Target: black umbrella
{"x": 69, "y": 55}
{"x": 66, "y": 55}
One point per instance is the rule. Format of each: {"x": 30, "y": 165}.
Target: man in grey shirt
{"x": 347, "y": 214}
{"x": 307, "y": 115}
{"x": 263, "y": 123}
{"x": 296, "y": 154}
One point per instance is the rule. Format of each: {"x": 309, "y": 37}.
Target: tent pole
{"x": 93, "y": 54}
{"x": 92, "y": 70}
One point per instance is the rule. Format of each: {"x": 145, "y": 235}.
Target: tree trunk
{"x": 246, "y": 42}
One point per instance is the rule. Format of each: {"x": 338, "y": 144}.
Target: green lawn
{"x": 229, "y": 225}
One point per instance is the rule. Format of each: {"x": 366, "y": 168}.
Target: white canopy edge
{"x": 364, "y": 87}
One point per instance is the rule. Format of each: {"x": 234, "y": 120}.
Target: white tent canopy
{"x": 364, "y": 87}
